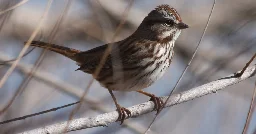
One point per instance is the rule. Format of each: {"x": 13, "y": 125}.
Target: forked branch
{"x": 143, "y": 108}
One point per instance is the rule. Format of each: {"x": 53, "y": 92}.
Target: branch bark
{"x": 143, "y": 108}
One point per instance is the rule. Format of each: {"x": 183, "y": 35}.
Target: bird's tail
{"x": 65, "y": 51}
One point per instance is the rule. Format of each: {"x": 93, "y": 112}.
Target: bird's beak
{"x": 182, "y": 25}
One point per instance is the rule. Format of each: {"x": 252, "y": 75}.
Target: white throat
{"x": 174, "y": 32}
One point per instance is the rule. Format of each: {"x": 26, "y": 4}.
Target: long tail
{"x": 68, "y": 52}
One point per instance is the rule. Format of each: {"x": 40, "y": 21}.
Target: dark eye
{"x": 170, "y": 22}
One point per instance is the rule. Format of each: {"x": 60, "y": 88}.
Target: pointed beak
{"x": 182, "y": 25}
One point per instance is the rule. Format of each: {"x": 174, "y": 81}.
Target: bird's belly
{"x": 151, "y": 75}
{"x": 139, "y": 80}
{"x": 149, "y": 71}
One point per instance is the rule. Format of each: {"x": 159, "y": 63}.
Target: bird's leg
{"x": 245, "y": 67}
{"x": 123, "y": 112}
{"x": 157, "y": 101}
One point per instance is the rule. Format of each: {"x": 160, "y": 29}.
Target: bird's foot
{"x": 158, "y": 103}
{"x": 123, "y": 113}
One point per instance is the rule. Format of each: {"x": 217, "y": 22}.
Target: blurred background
{"x": 228, "y": 44}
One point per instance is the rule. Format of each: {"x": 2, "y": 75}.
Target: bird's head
{"x": 164, "y": 22}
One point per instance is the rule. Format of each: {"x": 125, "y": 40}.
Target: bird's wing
{"x": 121, "y": 57}
{"x": 89, "y": 60}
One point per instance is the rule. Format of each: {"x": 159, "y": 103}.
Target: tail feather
{"x": 68, "y": 52}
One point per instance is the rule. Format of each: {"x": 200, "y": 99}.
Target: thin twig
{"x": 37, "y": 64}
{"x": 247, "y": 64}
{"x": 11, "y": 60}
{"x": 147, "y": 107}
{"x": 42, "y": 54}
{"x": 10, "y": 70}
{"x": 5, "y": 62}
{"x": 7, "y": 74}
{"x": 35, "y": 114}
{"x": 6, "y": 15}
{"x": 184, "y": 71}
{"x": 13, "y": 7}
{"x": 249, "y": 115}
{"x": 103, "y": 20}
{"x": 219, "y": 64}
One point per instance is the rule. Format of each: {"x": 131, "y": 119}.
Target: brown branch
{"x": 247, "y": 64}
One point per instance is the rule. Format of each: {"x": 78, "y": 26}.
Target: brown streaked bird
{"x": 136, "y": 62}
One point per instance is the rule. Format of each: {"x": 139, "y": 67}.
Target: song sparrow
{"x": 135, "y": 62}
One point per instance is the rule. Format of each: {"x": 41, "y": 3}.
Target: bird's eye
{"x": 170, "y": 22}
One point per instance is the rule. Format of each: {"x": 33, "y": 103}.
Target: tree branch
{"x": 143, "y": 108}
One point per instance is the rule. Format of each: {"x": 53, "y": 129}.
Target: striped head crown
{"x": 167, "y": 15}
{"x": 169, "y": 12}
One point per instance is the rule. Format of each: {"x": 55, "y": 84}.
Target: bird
{"x": 134, "y": 63}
